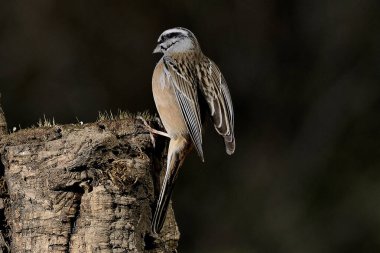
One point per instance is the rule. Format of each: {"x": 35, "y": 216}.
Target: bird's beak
{"x": 157, "y": 49}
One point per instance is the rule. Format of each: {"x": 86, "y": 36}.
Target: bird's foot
{"x": 152, "y": 130}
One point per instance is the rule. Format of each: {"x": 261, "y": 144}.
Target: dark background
{"x": 304, "y": 78}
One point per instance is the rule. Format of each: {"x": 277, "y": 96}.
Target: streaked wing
{"x": 215, "y": 90}
{"x": 186, "y": 93}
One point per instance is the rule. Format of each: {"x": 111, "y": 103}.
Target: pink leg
{"x": 152, "y": 130}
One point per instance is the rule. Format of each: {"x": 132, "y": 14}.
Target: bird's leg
{"x": 152, "y": 130}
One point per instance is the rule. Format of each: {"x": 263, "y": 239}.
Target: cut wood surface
{"x": 82, "y": 188}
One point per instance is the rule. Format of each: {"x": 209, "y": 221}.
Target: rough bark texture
{"x": 3, "y": 123}
{"x": 81, "y": 188}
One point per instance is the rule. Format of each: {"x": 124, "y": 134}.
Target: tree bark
{"x": 3, "y": 123}
{"x": 82, "y": 188}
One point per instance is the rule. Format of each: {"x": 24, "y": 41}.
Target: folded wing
{"x": 187, "y": 97}
{"x": 214, "y": 89}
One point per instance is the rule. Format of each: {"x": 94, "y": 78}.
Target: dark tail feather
{"x": 178, "y": 149}
{"x": 162, "y": 205}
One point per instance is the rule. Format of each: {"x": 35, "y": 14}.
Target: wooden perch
{"x": 3, "y": 123}
{"x": 81, "y": 188}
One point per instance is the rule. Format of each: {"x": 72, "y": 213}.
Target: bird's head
{"x": 176, "y": 40}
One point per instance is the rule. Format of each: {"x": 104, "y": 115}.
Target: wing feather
{"x": 214, "y": 88}
{"x": 187, "y": 97}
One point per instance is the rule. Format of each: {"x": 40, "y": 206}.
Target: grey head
{"x": 176, "y": 40}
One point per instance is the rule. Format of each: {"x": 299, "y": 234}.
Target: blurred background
{"x": 305, "y": 81}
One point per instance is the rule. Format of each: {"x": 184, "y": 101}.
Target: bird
{"x": 187, "y": 86}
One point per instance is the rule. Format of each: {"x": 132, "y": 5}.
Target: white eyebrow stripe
{"x": 174, "y": 30}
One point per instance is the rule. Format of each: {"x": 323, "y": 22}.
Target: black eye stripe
{"x": 172, "y": 35}
{"x": 165, "y": 48}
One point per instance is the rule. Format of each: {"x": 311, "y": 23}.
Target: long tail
{"x": 178, "y": 149}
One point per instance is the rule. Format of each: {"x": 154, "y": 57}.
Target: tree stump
{"x": 82, "y": 188}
